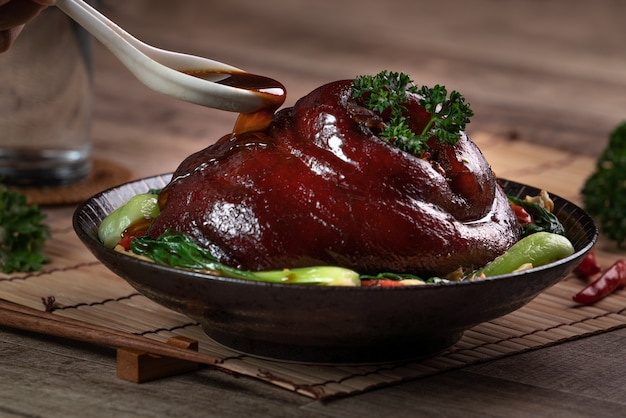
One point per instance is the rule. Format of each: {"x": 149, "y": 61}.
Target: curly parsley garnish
{"x": 22, "y": 233}
{"x": 387, "y": 91}
{"x": 604, "y": 191}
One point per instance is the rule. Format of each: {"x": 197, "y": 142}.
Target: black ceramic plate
{"x": 331, "y": 324}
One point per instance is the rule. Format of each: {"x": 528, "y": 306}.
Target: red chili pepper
{"x": 612, "y": 279}
{"x": 134, "y": 230}
{"x": 127, "y": 238}
{"x": 381, "y": 283}
{"x": 523, "y": 217}
{"x": 589, "y": 266}
{"x": 125, "y": 242}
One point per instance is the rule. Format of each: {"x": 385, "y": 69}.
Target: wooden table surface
{"x": 549, "y": 72}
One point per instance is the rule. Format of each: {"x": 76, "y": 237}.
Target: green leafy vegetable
{"x": 387, "y": 91}
{"x": 604, "y": 192}
{"x": 544, "y": 220}
{"x": 22, "y": 233}
{"x": 176, "y": 249}
{"x": 141, "y": 206}
{"x": 536, "y": 249}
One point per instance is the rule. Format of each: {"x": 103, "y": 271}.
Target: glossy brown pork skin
{"x": 319, "y": 187}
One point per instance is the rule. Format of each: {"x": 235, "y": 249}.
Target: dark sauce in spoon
{"x": 271, "y": 91}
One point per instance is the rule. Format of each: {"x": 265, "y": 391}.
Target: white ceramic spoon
{"x": 162, "y": 70}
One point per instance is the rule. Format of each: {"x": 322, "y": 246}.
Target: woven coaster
{"x": 104, "y": 174}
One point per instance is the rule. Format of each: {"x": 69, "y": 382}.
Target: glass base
{"x": 43, "y": 168}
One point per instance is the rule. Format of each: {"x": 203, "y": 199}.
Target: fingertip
{"x": 7, "y": 37}
{"x": 15, "y": 13}
{"x": 4, "y": 42}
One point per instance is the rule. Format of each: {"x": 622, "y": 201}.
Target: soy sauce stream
{"x": 270, "y": 90}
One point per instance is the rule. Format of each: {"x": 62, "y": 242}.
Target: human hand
{"x": 14, "y": 14}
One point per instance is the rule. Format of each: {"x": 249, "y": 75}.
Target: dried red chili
{"x": 381, "y": 283}
{"x": 522, "y": 215}
{"x": 612, "y": 279}
{"x": 125, "y": 242}
{"x": 589, "y": 266}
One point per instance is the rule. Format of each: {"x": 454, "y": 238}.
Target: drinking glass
{"x": 46, "y": 104}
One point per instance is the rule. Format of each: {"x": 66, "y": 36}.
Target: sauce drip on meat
{"x": 270, "y": 90}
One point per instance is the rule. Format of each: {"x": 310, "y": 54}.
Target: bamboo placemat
{"x": 76, "y": 285}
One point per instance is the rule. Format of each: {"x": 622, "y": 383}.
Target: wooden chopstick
{"x": 22, "y": 317}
